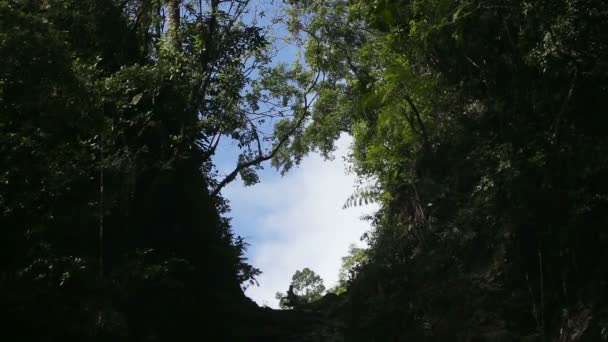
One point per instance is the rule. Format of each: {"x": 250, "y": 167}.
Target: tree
{"x": 351, "y": 264}
{"x": 306, "y": 286}
{"x": 106, "y": 138}
{"x": 475, "y": 120}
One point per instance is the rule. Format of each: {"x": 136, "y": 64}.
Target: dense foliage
{"x": 108, "y": 122}
{"x": 480, "y": 125}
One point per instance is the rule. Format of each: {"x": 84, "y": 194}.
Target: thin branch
{"x": 101, "y": 209}
{"x": 240, "y": 9}
{"x": 257, "y": 139}
{"x": 419, "y": 120}
{"x": 206, "y": 60}
{"x": 260, "y": 159}
{"x": 214, "y": 146}
{"x": 564, "y": 107}
{"x": 285, "y": 138}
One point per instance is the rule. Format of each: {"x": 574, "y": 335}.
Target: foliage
{"x": 112, "y": 228}
{"x": 360, "y": 198}
{"x": 479, "y": 122}
{"x": 480, "y": 125}
{"x": 306, "y": 285}
{"x": 351, "y": 265}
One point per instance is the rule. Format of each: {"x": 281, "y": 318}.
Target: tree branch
{"x": 564, "y": 107}
{"x": 261, "y": 158}
{"x": 257, "y": 139}
{"x": 425, "y": 136}
{"x": 285, "y": 138}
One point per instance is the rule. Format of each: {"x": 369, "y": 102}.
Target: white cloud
{"x": 297, "y": 221}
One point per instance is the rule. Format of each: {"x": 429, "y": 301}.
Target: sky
{"x": 297, "y": 221}
{"x": 293, "y": 221}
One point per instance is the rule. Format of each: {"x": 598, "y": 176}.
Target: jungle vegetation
{"x": 477, "y": 127}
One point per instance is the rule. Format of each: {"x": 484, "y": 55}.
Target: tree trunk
{"x": 173, "y": 20}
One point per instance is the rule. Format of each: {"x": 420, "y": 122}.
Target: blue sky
{"x": 297, "y": 220}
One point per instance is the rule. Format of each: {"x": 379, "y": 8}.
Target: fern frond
{"x": 361, "y": 197}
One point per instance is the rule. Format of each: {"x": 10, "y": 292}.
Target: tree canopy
{"x": 306, "y": 285}
{"x": 478, "y": 127}
{"x": 478, "y": 124}
{"x": 110, "y": 112}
